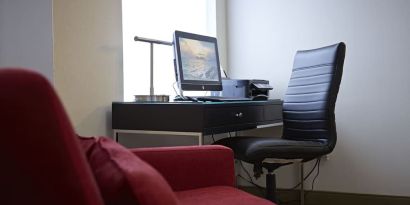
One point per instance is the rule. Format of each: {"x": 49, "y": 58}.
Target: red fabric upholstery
{"x": 42, "y": 162}
{"x": 123, "y": 178}
{"x": 219, "y": 195}
{"x": 191, "y": 167}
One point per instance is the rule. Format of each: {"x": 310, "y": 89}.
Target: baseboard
{"x": 291, "y": 197}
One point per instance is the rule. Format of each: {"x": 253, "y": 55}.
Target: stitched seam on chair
{"x": 309, "y": 76}
{"x": 315, "y": 119}
{"x": 293, "y": 86}
{"x": 306, "y": 129}
{"x": 300, "y": 111}
{"x": 303, "y": 111}
{"x": 309, "y": 130}
{"x": 290, "y": 120}
{"x": 305, "y": 102}
{"x": 291, "y": 146}
{"x": 313, "y": 66}
{"x": 308, "y": 93}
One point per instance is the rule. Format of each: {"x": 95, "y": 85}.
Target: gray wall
{"x": 26, "y": 35}
{"x": 372, "y": 153}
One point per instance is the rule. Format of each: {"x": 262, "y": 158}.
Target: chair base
{"x": 271, "y": 182}
{"x": 271, "y": 187}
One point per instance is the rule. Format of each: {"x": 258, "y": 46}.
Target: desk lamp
{"x": 151, "y": 97}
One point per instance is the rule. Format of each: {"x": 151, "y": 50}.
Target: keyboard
{"x": 220, "y": 98}
{"x": 210, "y": 99}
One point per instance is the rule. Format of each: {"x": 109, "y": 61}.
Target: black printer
{"x": 240, "y": 88}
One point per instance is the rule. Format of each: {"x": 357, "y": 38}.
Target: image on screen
{"x": 199, "y": 60}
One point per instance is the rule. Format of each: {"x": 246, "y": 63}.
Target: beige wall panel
{"x": 88, "y": 61}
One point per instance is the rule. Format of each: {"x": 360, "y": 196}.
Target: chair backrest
{"x": 42, "y": 162}
{"x": 309, "y": 103}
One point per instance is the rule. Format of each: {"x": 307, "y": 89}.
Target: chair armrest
{"x": 189, "y": 167}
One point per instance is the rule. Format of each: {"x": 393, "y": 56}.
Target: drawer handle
{"x": 240, "y": 114}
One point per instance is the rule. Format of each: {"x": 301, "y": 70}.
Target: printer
{"x": 241, "y": 88}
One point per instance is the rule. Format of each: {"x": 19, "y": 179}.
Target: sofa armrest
{"x": 189, "y": 167}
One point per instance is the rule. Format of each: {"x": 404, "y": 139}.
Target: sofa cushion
{"x": 41, "y": 160}
{"x": 122, "y": 177}
{"x": 219, "y": 195}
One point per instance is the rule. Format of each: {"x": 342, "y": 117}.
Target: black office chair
{"x": 309, "y": 128}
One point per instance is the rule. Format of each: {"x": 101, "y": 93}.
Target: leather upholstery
{"x": 309, "y": 103}
{"x": 256, "y": 150}
{"x": 309, "y": 128}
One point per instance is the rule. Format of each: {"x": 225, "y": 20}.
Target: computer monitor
{"x": 197, "y": 62}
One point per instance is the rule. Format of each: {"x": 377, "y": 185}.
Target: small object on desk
{"x": 151, "y": 98}
{"x": 184, "y": 98}
{"x": 222, "y": 99}
{"x": 240, "y": 88}
{"x": 260, "y": 97}
{"x": 259, "y": 89}
{"x": 210, "y": 98}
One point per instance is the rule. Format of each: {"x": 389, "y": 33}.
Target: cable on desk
{"x": 173, "y": 86}
{"x": 213, "y": 137}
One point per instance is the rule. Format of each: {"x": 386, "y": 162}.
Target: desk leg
{"x": 115, "y": 135}
{"x": 200, "y": 139}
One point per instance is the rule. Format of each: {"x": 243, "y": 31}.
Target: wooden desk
{"x": 193, "y": 118}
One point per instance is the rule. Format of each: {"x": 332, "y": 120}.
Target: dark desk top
{"x": 205, "y": 117}
{"x": 208, "y": 103}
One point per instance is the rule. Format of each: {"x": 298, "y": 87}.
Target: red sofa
{"x": 44, "y": 162}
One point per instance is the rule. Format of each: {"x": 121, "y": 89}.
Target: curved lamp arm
{"x": 152, "y": 42}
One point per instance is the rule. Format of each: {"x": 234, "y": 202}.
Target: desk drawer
{"x": 273, "y": 113}
{"x": 220, "y": 116}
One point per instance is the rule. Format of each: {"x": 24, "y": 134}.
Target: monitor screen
{"x": 197, "y": 62}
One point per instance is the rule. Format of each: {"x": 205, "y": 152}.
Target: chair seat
{"x": 256, "y": 149}
{"x": 219, "y": 195}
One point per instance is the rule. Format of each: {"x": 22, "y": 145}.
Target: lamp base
{"x": 151, "y": 98}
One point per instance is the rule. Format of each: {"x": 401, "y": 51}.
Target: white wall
{"x": 372, "y": 152}
{"x": 26, "y": 35}
{"x": 88, "y": 61}
{"x": 221, "y": 33}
